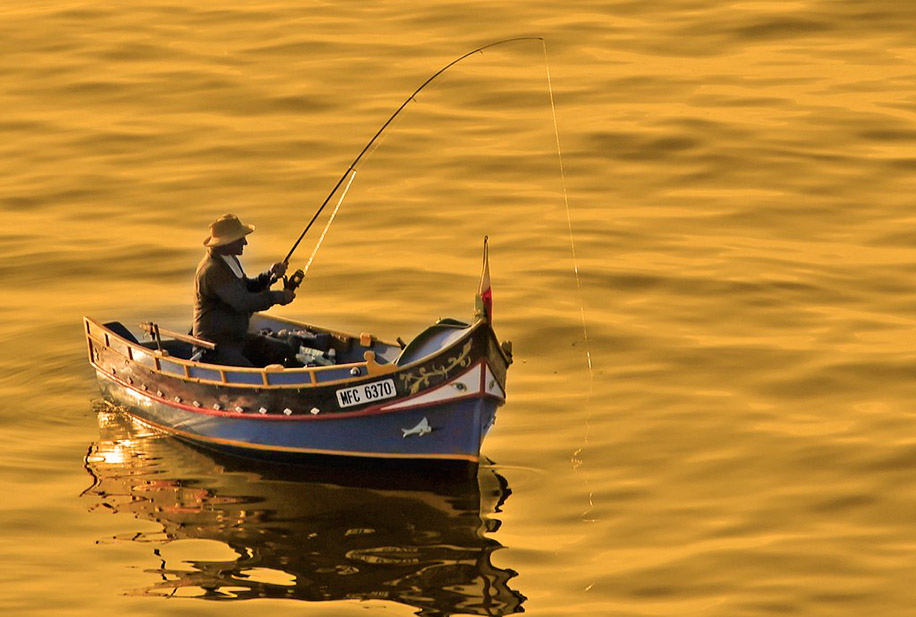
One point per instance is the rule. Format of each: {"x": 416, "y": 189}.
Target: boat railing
{"x": 271, "y": 376}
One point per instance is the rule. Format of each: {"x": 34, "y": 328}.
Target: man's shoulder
{"x": 209, "y": 266}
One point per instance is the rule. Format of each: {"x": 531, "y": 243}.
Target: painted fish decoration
{"x": 423, "y": 428}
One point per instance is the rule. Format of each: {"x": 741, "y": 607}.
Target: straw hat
{"x": 226, "y": 230}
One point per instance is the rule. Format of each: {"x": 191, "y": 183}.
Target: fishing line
{"x": 577, "y": 455}
{"x": 330, "y": 220}
{"x": 375, "y": 137}
{"x": 572, "y": 243}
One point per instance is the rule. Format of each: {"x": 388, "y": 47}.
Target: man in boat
{"x": 225, "y": 298}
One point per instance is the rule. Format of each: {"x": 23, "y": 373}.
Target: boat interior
{"x": 318, "y": 346}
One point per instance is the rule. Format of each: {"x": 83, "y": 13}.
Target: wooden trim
{"x": 312, "y": 381}
{"x": 374, "y": 369}
{"x": 178, "y": 336}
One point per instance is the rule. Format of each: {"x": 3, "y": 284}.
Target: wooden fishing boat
{"x": 434, "y": 398}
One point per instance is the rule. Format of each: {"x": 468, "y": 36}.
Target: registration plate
{"x": 366, "y": 393}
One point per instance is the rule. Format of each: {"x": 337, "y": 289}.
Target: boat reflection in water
{"x": 304, "y": 532}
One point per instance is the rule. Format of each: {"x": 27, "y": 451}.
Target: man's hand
{"x": 286, "y": 296}
{"x": 278, "y": 269}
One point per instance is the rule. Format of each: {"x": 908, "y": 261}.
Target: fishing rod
{"x": 388, "y": 122}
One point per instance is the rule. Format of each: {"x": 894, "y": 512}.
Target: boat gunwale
{"x": 264, "y": 372}
{"x": 373, "y": 410}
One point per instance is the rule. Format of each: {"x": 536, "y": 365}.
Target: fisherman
{"x": 225, "y": 299}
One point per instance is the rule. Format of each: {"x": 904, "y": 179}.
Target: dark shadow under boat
{"x": 306, "y": 532}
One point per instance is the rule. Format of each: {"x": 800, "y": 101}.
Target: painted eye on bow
{"x": 460, "y": 387}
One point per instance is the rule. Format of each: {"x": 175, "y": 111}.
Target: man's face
{"x": 235, "y": 248}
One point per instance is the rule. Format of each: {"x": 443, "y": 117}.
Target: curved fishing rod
{"x": 387, "y": 122}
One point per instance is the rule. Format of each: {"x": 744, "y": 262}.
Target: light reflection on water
{"x": 234, "y": 529}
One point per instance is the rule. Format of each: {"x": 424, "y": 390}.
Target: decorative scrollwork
{"x": 422, "y": 377}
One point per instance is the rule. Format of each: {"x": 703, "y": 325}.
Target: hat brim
{"x": 229, "y": 238}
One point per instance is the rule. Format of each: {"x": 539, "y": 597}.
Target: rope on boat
{"x": 330, "y": 220}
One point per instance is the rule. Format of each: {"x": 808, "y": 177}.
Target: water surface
{"x": 740, "y": 180}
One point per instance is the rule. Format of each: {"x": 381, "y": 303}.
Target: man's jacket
{"x": 224, "y": 302}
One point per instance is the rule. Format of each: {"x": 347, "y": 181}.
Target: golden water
{"x": 741, "y": 180}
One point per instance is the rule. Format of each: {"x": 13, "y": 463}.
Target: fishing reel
{"x": 293, "y": 281}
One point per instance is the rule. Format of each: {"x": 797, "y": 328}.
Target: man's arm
{"x": 264, "y": 279}
{"x": 238, "y": 294}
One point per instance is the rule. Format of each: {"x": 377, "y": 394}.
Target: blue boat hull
{"x": 451, "y": 430}
{"x": 433, "y": 399}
